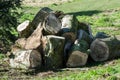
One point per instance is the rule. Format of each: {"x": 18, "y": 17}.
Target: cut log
{"x": 53, "y": 50}
{"x": 53, "y": 24}
{"x": 70, "y": 36}
{"x": 78, "y": 55}
{"x": 86, "y": 27}
{"x": 33, "y": 41}
{"x": 77, "y": 59}
{"x": 69, "y": 22}
{"x": 24, "y": 29}
{"x": 82, "y": 35}
{"x": 104, "y": 49}
{"x": 40, "y": 17}
{"x": 20, "y": 43}
{"x": 25, "y": 59}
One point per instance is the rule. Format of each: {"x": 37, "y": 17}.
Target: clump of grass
{"x": 2, "y": 56}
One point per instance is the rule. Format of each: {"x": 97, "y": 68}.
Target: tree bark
{"x": 25, "y": 59}
{"x": 40, "y": 17}
{"x": 26, "y": 28}
{"x": 104, "y": 49}
{"x": 53, "y": 50}
{"x": 34, "y": 41}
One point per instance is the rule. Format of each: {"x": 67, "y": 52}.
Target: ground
{"x": 103, "y": 16}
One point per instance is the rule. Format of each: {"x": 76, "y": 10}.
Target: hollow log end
{"x": 99, "y": 50}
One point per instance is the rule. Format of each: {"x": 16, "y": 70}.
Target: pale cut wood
{"x": 25, "y": 59}
{"x": 21, "y": 42}
{"x": 34, "y": 41}
{"x": 105, "y": 49}
{"x": 24, "y": 29}
{"x": 69, "y": 22}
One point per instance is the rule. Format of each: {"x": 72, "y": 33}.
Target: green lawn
{"x": 85, "y": 5}
{"x": 103, "y": 16}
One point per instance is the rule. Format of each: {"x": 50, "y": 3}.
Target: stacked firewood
{"x": 54, "y": 40}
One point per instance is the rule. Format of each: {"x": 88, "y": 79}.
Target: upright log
{"x": 53, "y": 50}
{"x": 104, "y": 49}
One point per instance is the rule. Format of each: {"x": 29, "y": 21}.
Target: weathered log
{"x": 77, "y": 59}
{"x": 34, "y": 40}
{"x": 52, "y": 24}
{"x": 82, "y": 35}
{"x": 78, "y": 55}
{"x": 104, "y": 49}
{"x": 25, "y": 59}
{"x": 20, "y": 43}
{"x": 69, "y": 36}
{"x": 69, "y": 23}
{"x": 86, "y": 27}
{"x": 24, "y": 29}
{"x": 40, "y": 17}
{"x": 53, "y": 50}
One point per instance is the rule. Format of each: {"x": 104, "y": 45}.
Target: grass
{"x": 103, "y": 16}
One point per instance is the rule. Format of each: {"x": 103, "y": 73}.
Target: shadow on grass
{"x": 86, "y": 13}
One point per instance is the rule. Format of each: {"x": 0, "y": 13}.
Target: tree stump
{"x": 25, "y": 59}
{"x": 78, "y": 55}
{"x": 104, "y": 49}
{"x": 53, "y": 51}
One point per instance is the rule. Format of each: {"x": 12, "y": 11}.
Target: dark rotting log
{"x": 105, "y": 49}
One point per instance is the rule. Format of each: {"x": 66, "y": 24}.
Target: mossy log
{"x": 53, "y": 51}
{"x": 105, "y": 49}
{"x": 25, "y": 59}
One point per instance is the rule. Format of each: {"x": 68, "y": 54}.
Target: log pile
{"x": 54, "y": 40}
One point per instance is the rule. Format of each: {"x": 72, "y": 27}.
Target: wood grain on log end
{"x": 99, "y": 50}
{"x": 77, "y": 59}
{"x": 24, "y": 29}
